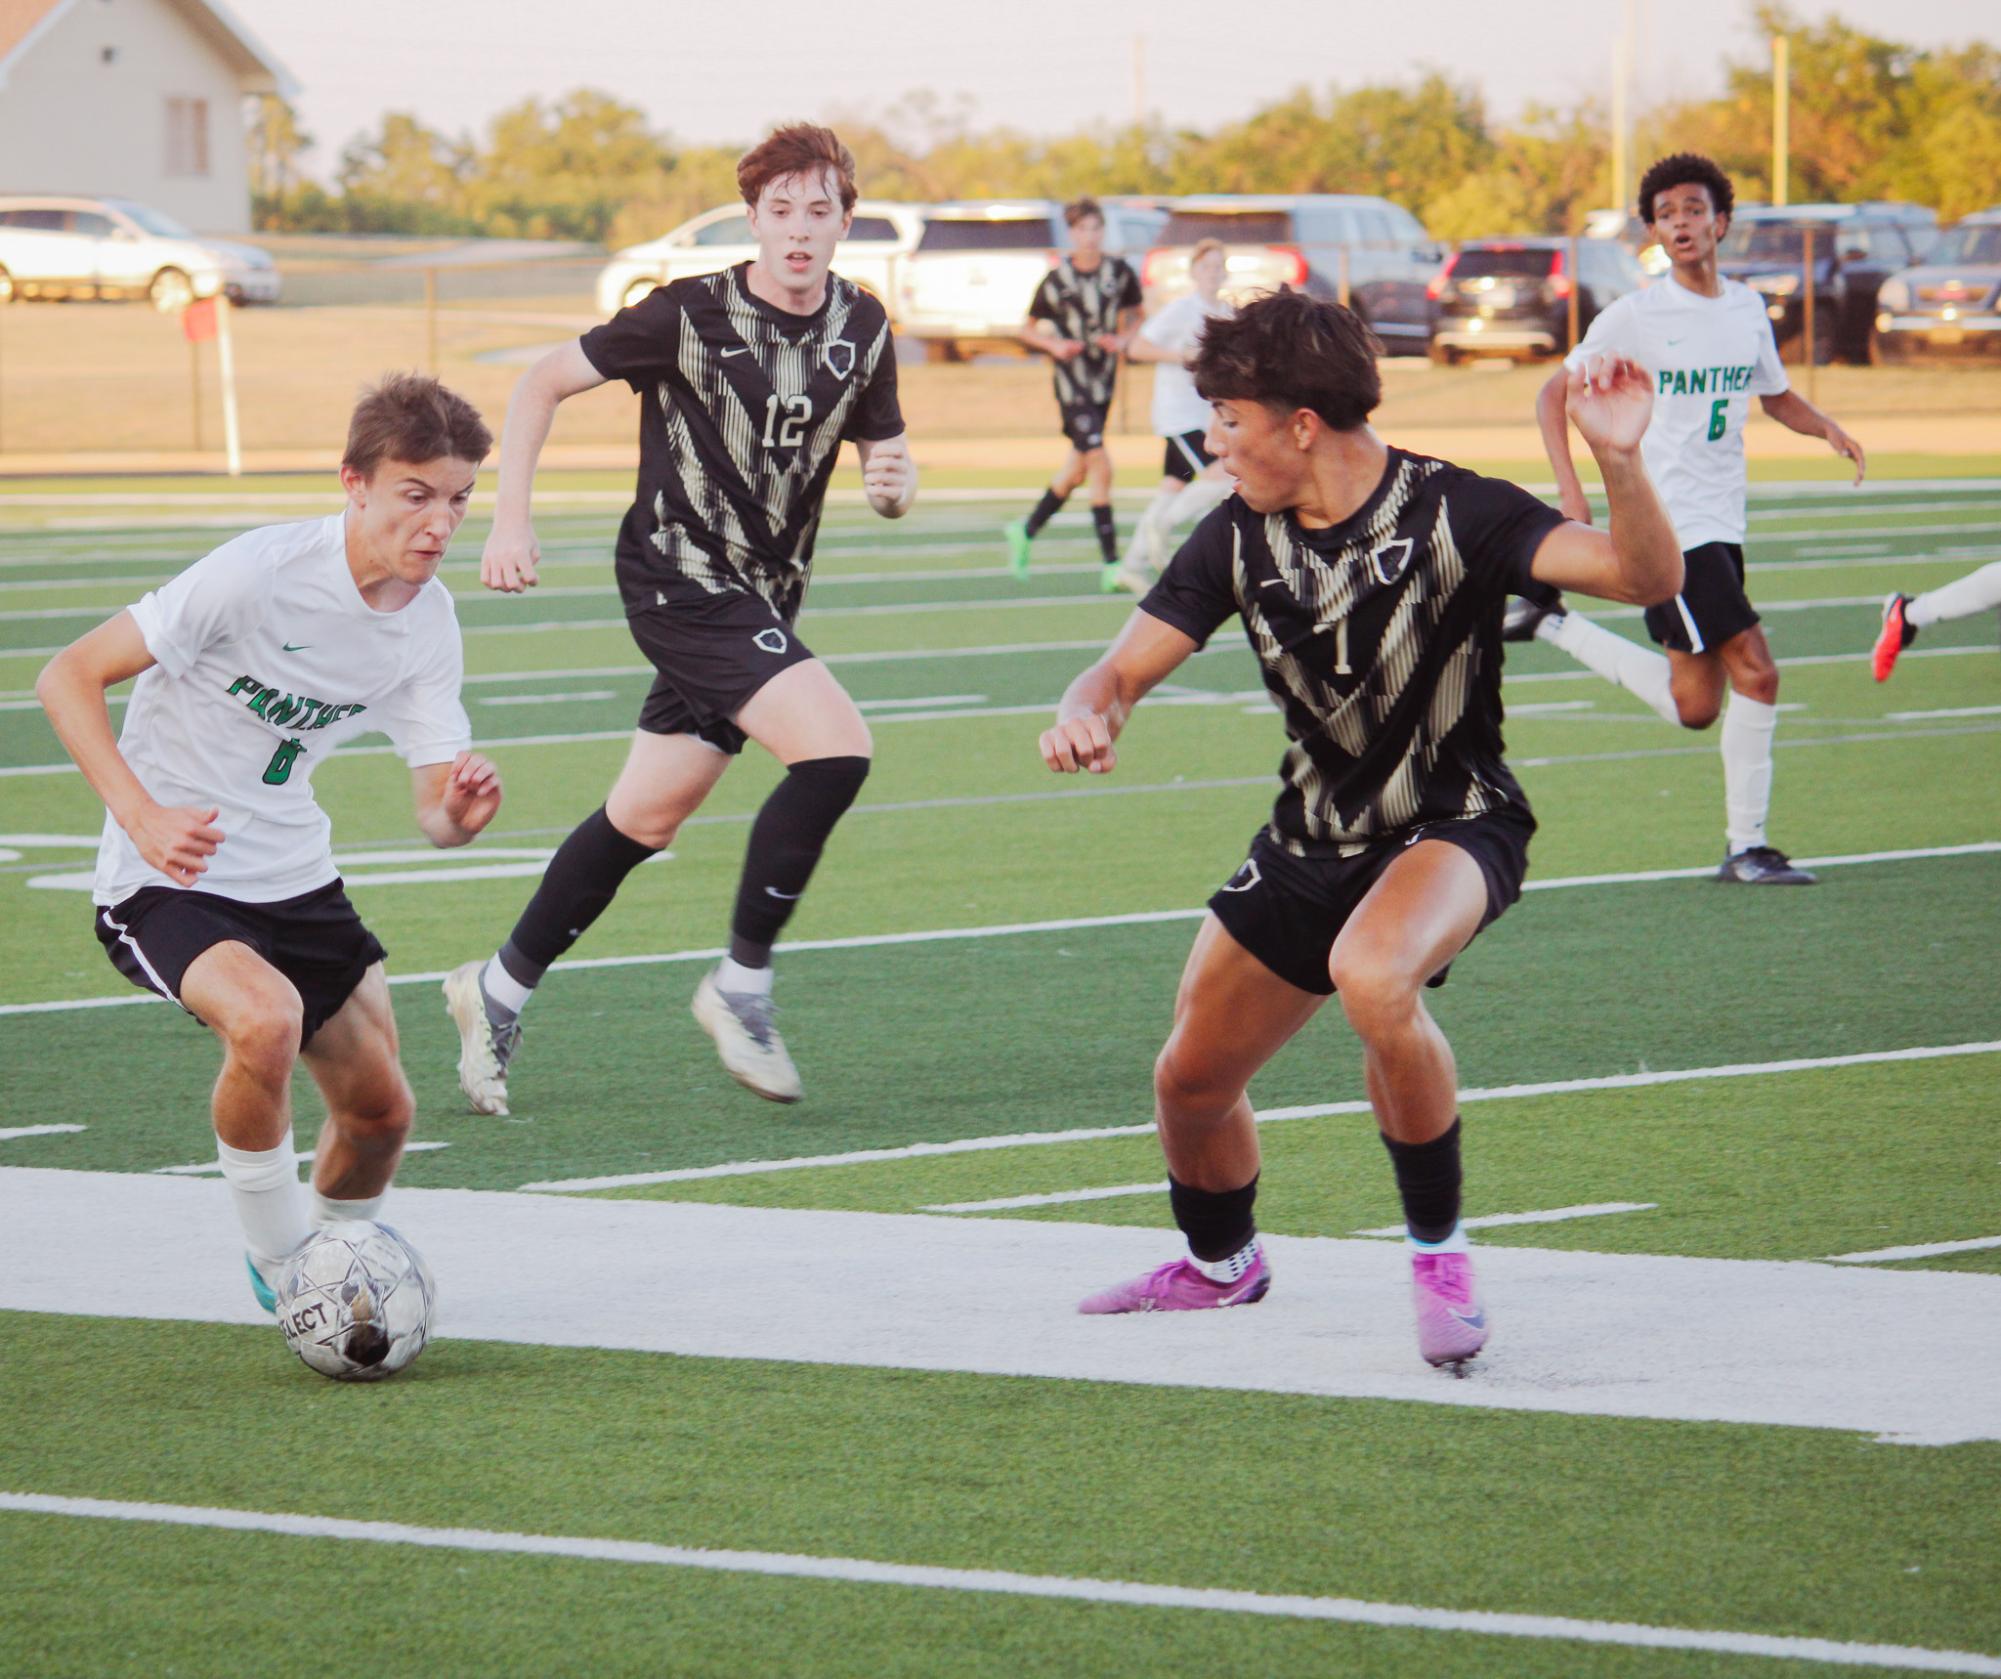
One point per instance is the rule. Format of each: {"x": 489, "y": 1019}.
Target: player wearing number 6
{"x": 216, "y": 883}
{"x": 1708, "y": 344}
{"x": 750, "y": 379}
{"x": 1371, "y": 583}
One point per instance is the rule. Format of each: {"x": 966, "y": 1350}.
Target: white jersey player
{"x": 216, "y": 885}
{"x": 1904, "y": 615}
{"x": 1708, "y": 344}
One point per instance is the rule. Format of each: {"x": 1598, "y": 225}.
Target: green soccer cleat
{"x": 267, "y": 1296}
{"x": 1018, "y": 541}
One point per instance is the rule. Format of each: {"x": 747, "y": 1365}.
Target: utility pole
{"x": 1781, "y": 117}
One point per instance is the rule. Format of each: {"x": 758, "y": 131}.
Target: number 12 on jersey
{"x": 785, "y": 420}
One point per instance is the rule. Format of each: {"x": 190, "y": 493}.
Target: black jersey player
{"x": 750, "y": 380}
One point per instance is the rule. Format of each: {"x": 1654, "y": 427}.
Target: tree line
{"x": 1870, "y": 118}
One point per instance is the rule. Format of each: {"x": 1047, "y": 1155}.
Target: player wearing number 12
{"x": 750, "y": 380}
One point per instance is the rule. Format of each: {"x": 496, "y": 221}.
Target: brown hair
{"x": 799, "y": 148}
{"x": 1290, "y": 351}
{"x": 411, "y": 417}
{"x": 1078, "y": 208}
{"x": 1202, "y": 248}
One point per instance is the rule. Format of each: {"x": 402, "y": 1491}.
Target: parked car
{"x": 1948, "y": 305}
{"x": 1314, "y": 241}
{"x": 1511, "y": 297}
{"x": 61, "y": 245}
{"x": 1856, "y": 247}
{"x": 880, "y": 237}
{"x": 978, "y": 262}
{"x": 1634, "y": 234}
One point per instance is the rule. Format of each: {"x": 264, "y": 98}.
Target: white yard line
{"x": 1554, "y": 1215}
{"x": 212, "y": 1168}
{"x": 1006, "y": 1203}
{"x": 547, "y": 699}
{"x": 9, "y": 1133}
{"x": 1954, "y": 711}
{"x": 999, "y": 1582}
{"x": 1924, "y": 1250}
{"x": 1265, "y": 1116}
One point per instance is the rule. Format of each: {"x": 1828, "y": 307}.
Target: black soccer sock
{"x": 1108, "y": 533}
{"x": 1217, "y": 1223}
{"x": 1045, "y": 510}
{"x": 785, "y": 843}
{"x": 1428, "y": 1179}
{"x": 581, "y": 879}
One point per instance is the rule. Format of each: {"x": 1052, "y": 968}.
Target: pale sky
{"x": 722, "y": 73}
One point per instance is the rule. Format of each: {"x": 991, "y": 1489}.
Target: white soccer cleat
{"x": 484, "y": 1050}
{"x": 752, "y": 1051}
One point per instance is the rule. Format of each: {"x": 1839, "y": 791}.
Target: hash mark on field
{"x": 1925, "y": 1250}
{"x": 549, "y": 699}
{"x": 1555, "y": 1215}
{"x": 1001, "y": 1582}
{"x": 11, "y": 1132}
{"x": 1056, "y": 1200}
{"x": 1953, "y": 711}
{"x": 205, "y": 1168}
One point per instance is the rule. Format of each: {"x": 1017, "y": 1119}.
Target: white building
{"x": 138, "y": 99}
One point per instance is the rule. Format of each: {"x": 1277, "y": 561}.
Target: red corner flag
{"x": 198, "y": 320}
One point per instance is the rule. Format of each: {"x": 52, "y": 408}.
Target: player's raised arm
{"x": 1094, "y": 708}
{"x": 511, "y": 557}
{"x": 1638, "y": 557}
{"x": 889, "y": 475}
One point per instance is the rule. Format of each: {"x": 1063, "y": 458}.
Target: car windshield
{"x": 1478, "y": 264}
{"x": 1772, "y": 241}
{"x": 949, "y": 233}
{"x": 1968, "y": 245}
{"x": 153, "y": 221}
{"x": 1233, "y": 227}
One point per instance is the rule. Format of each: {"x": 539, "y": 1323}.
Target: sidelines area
{"x": 861, "y": 1571}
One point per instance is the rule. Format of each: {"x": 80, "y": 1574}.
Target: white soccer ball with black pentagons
{"x": 355, "y": 1301}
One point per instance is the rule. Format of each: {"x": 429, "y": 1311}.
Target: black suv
{"x": 1856, "y": 247}
{"x": 1951, "y": 305}
{"x": 1511, "y": 297}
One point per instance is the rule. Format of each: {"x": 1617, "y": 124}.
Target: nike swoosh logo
{"x": 289, "y": 648}
{"x": 775, "y": 893}
{"x": 1472, "y": 1320}
{"x": 740, "y": 350}
{"x": 1232, "y": 1299}
{"x": 1672, "y": 342}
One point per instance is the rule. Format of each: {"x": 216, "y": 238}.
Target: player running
{"x": 1708, "y": 343}
{"x": 1371, "y": 583}
{"x": 1081, "y": 318}
{"x": 1904, "y": 615}
{"x": 216, "y": 883}
{"x": 1191, "y": 482}
{"x": 751, "y": 379}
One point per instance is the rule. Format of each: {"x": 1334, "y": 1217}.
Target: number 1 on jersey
{"x": 785, "y": 419}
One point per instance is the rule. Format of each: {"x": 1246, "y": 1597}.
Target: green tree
{"x": 565, "y": 170}
{"x": 276, "y": 143}
{"x": 406, "y": 179}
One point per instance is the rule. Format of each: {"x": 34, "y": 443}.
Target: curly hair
{"x": 1291, "y": 351}
{"x": 1686, "y": 169}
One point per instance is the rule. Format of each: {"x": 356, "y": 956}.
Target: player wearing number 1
{"x": 750, "y": 380}
{"x": 1708, "y": 344}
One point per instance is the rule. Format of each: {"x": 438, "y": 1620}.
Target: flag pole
{"x": 232, "y": 441}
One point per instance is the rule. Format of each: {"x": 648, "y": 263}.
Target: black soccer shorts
{"x": 1084, "y": 424}
{"x": 1712, "y": 606}
{"x": 1186, "y": 457}
{"x": 712, "y": 653}
{"x": 1287, "y": 911}
{"x": 315, "y": 940}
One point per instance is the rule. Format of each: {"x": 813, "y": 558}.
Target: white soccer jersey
{"x": 1176, "y": 406}
{"x": 268, "y": 658}
{"x": 1709, "y": 356}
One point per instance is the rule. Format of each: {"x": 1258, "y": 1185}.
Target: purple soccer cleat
{"x": 1178, "y": 1287}
{"x": 1451, "y": 1323}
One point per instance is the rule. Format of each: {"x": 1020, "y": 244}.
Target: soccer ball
{"x": 355, "y": 1301}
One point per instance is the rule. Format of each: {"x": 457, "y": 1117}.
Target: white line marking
{"x": 1138, "y": 918}
{"x": 928, "y": 699}
{"x": 11, "y": 1132}
{"x": 1266, "y": 1116}
{"x": 993, "y": 1581}
{"x": 1005, "y": 1202}
{"x": 1954, "y": 711}
{"x": 207, "y": 1168}
{"x": 550, "y": 699}
{"x": 1924, "y": 1251}
{"x": 1555, "y": 1215}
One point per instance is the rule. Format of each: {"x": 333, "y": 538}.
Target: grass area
{"x": 1786, "y": 1531}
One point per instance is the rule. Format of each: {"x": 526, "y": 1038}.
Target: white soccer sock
{"x": 264, "y": 1184}
{"x": 1197, "y": 499}
{"x": 326, "y": 1210}
{"x": 1140, "y": 550}
{"x": 503, "y": 987}
{"x": 1231, "y": 1269}
{"x": 734, "y": 976}
{"x": 1747, "y": 770}
{"x": 1455, "y": 1243}
{"x": 1634, "y": 668}
{"x": 1977, "y": 591}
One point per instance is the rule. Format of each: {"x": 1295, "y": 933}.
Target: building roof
{"x": 22, "y": 22}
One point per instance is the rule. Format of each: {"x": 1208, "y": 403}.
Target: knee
{"x": 1378, "y": 994}
{"x": 836, "y": 781}
{"x": 380, "y": 1117}
{"x": 1697, "y": 713}
{"x": 262, "y": 1032}
{"x": 1185, "y": 1081}
{"x": 1761, "y": 684}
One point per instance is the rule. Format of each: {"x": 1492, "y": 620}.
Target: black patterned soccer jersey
{"x": 1380, "y": 639}
{"x": 746, "y": 407}
{"x": 1082, "y": 306}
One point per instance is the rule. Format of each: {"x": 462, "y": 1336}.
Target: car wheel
{"x": 6, "y": 286}
{"x": 638, "y": 290}
{"x": 171, "y": 291}
{"x": 1442, "y": 355}
{"x": 943, "y": 350}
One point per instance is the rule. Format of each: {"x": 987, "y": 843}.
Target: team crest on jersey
{"x": 839, "y": 355}
{"x": 772, "y": 641}
{"x": 1392, "y": 560}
